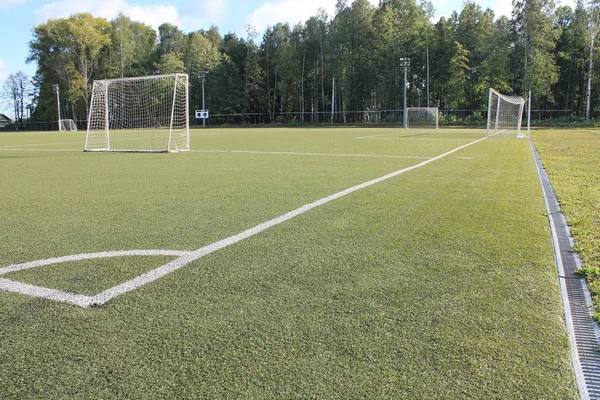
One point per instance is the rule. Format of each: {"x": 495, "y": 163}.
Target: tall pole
{"x": 203, "y": 77}
{"x": 528, "y": 113}
{"x": 405, "y": 64}
{"x": 57, "y": 90}
{"x": 404, "y": 113}
{"x": 332, "y": 98}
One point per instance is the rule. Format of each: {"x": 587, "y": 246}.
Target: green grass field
{"x": 437, "y": 283}
{"x": 572, "y": 160}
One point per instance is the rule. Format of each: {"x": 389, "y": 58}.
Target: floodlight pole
{"x": 57, "y": 91}
{"x": 202, "y": 76}
{"x": 405, "y": 64}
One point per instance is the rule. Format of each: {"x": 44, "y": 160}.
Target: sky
{"x": 18, "y": 17}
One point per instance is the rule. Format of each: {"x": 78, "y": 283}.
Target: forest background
{"x": 349, "y": 61}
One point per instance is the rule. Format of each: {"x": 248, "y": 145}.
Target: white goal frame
{"x": 430, "y": 115}
{"x": 141, "y": 114}
{"x": 67, "y": 125}
{"x": 505, "y": 115}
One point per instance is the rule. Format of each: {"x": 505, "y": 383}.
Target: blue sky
{"x": 18, "y": 17}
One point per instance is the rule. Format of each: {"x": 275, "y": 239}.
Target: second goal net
{"x": 505, "y": 115}
{"x": 143, "y": 114}
{"x": 422, "y": 117}
{"x": 67, "y": 125}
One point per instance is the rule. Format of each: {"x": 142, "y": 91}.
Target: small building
{"x": 4, "y": 121}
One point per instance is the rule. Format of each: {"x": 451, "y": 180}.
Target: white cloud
{"x": 152, "y": 14}
{"x": 291, "y": 11}
{"x": 209, "y": 12}
{"x": 213, "y": 10}
{"x": 6, "y": 5}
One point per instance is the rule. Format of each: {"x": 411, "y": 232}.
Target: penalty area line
{"x": 292, "y": 153}
{"x": 184, "y": 258}
{"x": 384, "y": 134}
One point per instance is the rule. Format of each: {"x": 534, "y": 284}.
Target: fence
{"x": 475, "y": 118}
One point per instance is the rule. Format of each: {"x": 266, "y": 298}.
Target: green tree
{"x": 68, "y": 52}
{"x": 315, "y": 36}
{"x": 458, "y": 72}
{"x": 226, "y": 89}
{"x": 170, "y": 40}
{"x": 132, "y": 46}
{"x": 493, "y": 57}
{"x": 255, "y": 96}
{"x": 535, "y": 46}
{"x": 170, "y": 63}
{"x": 444, "y": 38}
{"x": 572, "y": 54}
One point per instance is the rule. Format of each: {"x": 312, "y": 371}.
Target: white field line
{"x": 187, "y": 257}
{"x": 15, "y": 149}
{"x": 10, "y": 147}
{"x": 437, "y": 139}
{"x": 89, "y": 256}
{"x": 291, "y": 153}
{"x": 383, "y": 134}
{"x": 45, "y": 293}
{"x": 213, "y": 133}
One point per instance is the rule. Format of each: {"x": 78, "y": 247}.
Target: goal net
{"x": 67, "y": 125}
{"x": 422, "y": 117}
{"x": 143, "y": 114}
{"x": 505, "y": 115}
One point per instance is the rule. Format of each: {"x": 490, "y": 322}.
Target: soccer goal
{"x": 505, "y": 115}
{"x": 143, "y": 114}
{"x": 422, "y": 117}
{"x": 67, "y": 125}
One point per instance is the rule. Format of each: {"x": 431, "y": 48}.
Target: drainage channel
{"x": 584, "y": 333}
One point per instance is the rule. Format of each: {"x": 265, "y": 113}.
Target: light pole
{"x": 405, "y": 64}
{"x": 202, "y": 76}
{"x": 56, "y": 90}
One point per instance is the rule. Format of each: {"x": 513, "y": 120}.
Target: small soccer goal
{"x": 142, "y": 114}
{"x": 505, "y": 115}
{"x": 422, "y": 117}
{"x": 67, "y": 125}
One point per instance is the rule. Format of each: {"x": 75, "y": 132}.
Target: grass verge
{"x": 572, "y": 161}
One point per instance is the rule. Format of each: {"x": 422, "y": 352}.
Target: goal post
{"x": 67, "y": 125}
{"x": 422, "y": 117}
{"x": 141, "y": 114}
{"x": 505, "y": 115}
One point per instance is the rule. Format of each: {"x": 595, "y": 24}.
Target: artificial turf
{"x": 438, "y": 283}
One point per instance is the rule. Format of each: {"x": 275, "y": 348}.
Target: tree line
{"x": 348, "y": 62}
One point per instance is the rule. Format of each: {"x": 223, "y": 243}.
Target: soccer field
{"x": 279, "y": 263}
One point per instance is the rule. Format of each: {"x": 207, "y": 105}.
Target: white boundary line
{"x": 15, "y": 149}
{"x": 383, "y": 134}
{"x": 89, "y": 256}
{"x": 184, "y": 258}
{"x": 437, "y": 139}
{"x": 10, "y": 147}
{"x": 290, "y": 153}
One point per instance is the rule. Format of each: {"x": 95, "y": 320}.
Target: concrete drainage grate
{"x": 584, "y": 333}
